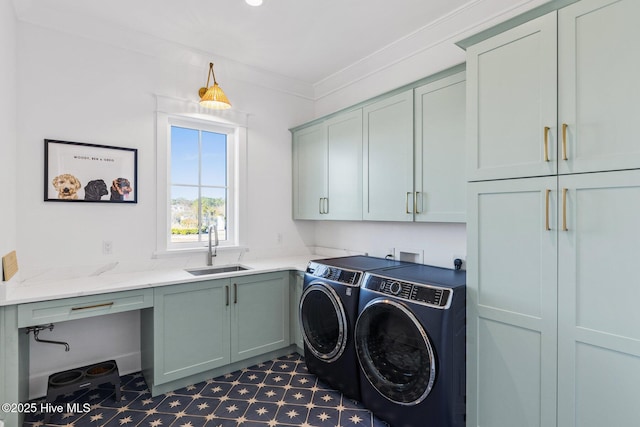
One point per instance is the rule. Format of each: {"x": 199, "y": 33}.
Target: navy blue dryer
{"x": 410, "y": 342}
{"x": 328, "y": 310}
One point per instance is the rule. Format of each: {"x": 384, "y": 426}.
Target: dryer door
{"x": 395, "y": 352}
{"x": 323, "y": 321}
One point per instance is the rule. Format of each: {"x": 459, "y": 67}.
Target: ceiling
{"x": 307, "y": 40}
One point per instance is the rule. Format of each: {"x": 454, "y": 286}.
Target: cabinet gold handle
{"x": 326, "y": 205}
{"x": 226, "y": 289}
{"x": 86, "y": 307}
{"x": 546, "y": 213}
{"x": 546, "y": 143}
{"x": 235, "y": 293}
{"x": 406, "y": 203}
{"x": 415, "y": 202}
{"x": 320, "y": 206}
{"x": 564, "y": 210}
{"x": 564, "y": 141}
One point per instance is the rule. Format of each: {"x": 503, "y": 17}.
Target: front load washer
{"x": 410, "y": 343}
{"x": 328, "y": 310}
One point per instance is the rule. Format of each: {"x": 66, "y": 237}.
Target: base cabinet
{"x": 197, "y": 327}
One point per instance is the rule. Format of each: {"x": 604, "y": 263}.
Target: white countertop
{"x": 114, "y": 277}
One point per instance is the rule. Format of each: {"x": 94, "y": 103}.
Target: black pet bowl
{"x": 100, "y": 369}
{"x": 66, "y": 377}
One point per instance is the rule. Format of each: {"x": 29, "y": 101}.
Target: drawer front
{"x": 38, "y": 313}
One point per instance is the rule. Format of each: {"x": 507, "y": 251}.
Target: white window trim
{"x": 236, "y": 135}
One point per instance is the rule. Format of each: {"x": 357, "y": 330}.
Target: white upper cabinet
{"x": 440, "y": 180}
{"x": 599, "y": 60}
{"x": 511, "y": 95}
{"x": 309, "y": 172}
{"x": 388, "y": 159}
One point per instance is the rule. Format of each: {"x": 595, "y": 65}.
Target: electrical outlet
{"x": 461, "y": 257}
{"x": 107, "y": 247}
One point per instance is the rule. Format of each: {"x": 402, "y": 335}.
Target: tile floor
{"x": 279, "y": 392}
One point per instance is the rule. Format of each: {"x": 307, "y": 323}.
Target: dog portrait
{"x": 120, "y": 188}
{"x": 67, "y": 186}
{"x": 76, "y": 172}
{"x": 95, "y": 189}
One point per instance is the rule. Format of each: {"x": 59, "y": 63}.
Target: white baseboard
{"x": 127, "y": 364}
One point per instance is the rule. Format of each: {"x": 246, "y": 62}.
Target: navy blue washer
{"x": 328, "y": 310}
{"x": 410, "y": 343}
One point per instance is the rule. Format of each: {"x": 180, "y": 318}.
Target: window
{"x": 198, "y": 182}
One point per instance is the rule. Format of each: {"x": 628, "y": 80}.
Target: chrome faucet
{"x": 212, "y": 253}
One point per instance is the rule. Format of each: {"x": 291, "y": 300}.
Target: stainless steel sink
{"x": 216, "y": 270}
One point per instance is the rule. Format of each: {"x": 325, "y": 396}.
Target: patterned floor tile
{"x": 276, "y": 393}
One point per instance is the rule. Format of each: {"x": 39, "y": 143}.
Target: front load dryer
{"x": 410, "y": 342}
{"x": 328, "y": 310}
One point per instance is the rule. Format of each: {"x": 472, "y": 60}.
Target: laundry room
{"x": 150, "y": 239}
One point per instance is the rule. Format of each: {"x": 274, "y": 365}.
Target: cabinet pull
{"x": 86, "y": 307}
{"x": 320, "y": 206}
{"x": 415, "y": 202}
{"x": 226, "y": 289}
{"x": 235, "y": 293}
{"x": 564, "y": 210}
{"x": 564, "y": 141}
{"x": 546, "y": 213}
{"x": 406, "y": 203}
{"x": 546, "y": 143}
{"x": 326, "y": 205}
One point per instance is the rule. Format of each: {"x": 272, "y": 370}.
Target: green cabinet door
{"x": 598, "y": 63}
{"x": 512, "y": 103}
{"x": 512, "y": 303}
{"x": 309, "y": 172}
{"x": 14, "y": 365}
{"x": 440, "y": 180}
{"x": 260, "y": 314}
{"x": 598, "y": 293}
{"x": 191, "y": 329}
{"x": 388, "y": 159}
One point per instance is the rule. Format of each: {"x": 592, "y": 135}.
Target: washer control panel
{"x": 434, "y": 296}
{"x": 348, "y": 277}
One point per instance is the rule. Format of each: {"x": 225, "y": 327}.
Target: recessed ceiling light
{"x": 253, "y": 2}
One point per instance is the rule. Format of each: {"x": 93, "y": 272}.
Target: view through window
{"x": 199, "y": 184}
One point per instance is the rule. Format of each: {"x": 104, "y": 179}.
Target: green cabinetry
{"x": 197, "y": 327}
{"x": 551, "y": 249}
{"x": 327, "y": 169}
{"x": 399, "y": 157}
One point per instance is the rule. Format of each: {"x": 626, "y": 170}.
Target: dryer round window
{"x": 395, "y": 352}
{"x": 323, "y": 322}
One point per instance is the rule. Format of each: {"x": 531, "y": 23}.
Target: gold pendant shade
{"x": 213, "y": 97}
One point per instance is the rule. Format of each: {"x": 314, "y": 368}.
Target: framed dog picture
{"x": 77, "y": 172}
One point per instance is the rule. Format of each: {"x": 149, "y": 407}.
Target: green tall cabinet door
{"x": 512, "y": 102}
{"x": 440, "y": 179}
{"x": 599, "y": 60}
{"x": 260, "y": 315}
{"x": 388, "y": 159}
{"x": 309, "y": 172}
{"x": 191, "y": 329}
{"x": 599, "y": 333}
{"x": 512, "y": 303}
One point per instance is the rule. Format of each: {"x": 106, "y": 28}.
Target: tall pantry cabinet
{"x": 553, "y": 229}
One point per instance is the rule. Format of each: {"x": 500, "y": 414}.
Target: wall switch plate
{"x": 107, "y": 247}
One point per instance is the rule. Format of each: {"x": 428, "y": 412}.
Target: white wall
{"x": 86, "y": 90}
{"x": 8, "y": 37}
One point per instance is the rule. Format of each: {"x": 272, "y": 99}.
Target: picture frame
{"x": 89, "y": 173}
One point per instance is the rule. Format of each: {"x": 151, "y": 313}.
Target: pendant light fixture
{"x": 213, "y": 97}
{"x": 253, "y": 2}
